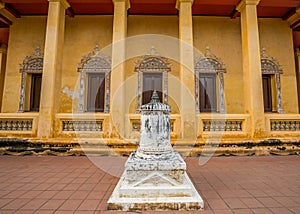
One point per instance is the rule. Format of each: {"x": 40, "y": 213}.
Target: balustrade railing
{"x": 82, "y": 125}
{"x": 222, "y": 125}
{"x": 16, "y": 124}
{"x": 281, "y": 125}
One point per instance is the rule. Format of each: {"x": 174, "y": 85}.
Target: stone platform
{"x": 155, "y": 184}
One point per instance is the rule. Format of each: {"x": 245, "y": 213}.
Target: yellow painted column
{"x": 3, "y": 52}
{"x": 187, "y": 99}
{"x": 253, "y": 94}
{"x": 51, "y": 79}
{"x": 117, "y": 110}
{"x": 297, "y": 57}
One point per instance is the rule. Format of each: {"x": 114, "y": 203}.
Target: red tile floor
{"x": 50, "y": 184}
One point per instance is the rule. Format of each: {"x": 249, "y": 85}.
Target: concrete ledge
{"x": 117, "y": 147}
{"x": 16, "y": 131}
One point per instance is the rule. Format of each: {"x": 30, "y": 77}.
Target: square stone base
{"x": 169, "y": 162}
{"x": 155, "y": 192}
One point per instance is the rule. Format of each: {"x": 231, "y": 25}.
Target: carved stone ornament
{"x": 155, "y": 175}
{"x": 269, "y": 65}
{"x": 209, "y": 63}
{"x": 31, "y": 64}
{"x": 152, "y": 62}
{"x": 94, "y": 62}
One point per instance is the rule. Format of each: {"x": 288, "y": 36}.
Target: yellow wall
{"x": 164, "y": 38}
{"x": 82, "y": 34}
{"x": 26, "y": 34}
{"x": 223, "y": 36}
{"x": 166, "y": 25}
{"x": 276, "y": 36}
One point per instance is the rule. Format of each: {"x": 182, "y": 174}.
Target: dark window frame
{"x": 35, "y": 92}
{"x": 146, "y": 95}
{"x": 96, "y": 103}
{"x": 208, "y": 100}
{"x": 267, "y": 92}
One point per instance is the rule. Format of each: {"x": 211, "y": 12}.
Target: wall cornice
{"x": 65, "y": 3}
{"x": 297, "y": 52}
{"x": 243, "y": 3}
{"x": 183, "y": 1}
{"x": 127, "y": 2}
{"x": 3, "y": 48}
{"x": 295, "y": 17}
{"x": 2, "y": 5}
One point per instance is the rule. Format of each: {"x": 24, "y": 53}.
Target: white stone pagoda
{"x": 155, "y": 175}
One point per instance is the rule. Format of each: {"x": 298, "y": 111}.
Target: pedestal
{"x": 155, "y": 175}
{"x": 159, "y": 183}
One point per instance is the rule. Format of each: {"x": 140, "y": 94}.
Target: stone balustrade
{"x": 283, "y": 125}
{"x": 96, "y": 125}
{"x": 225, "y": 123}
{"x": 89, "y": 123}
{"x": 82, "y": 125}
{"x": 222, "y": 125}
{"x": 16, "y": 124}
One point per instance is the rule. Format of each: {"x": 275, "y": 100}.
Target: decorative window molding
{"x": 210, "y": 64}
{"x": 32, "y": 64}
{"x": 94, "y": 62}
{"x": 152, "y": 62}
{"x": 269, "y": 65}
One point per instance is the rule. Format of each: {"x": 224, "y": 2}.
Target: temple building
{"x": 76, "y": 71}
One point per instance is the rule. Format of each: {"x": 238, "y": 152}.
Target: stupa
{"x": 155, "y": 175}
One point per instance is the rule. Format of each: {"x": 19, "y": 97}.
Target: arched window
{"x": 31, "y": 81}
{"x": 271, "y": 85}
{"x": 152, "y": 75}
{"x": 209, "y": 83}
{"x": 94, "y": 94}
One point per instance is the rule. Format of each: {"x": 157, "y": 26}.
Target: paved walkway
{"x": 76, "y": 185}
